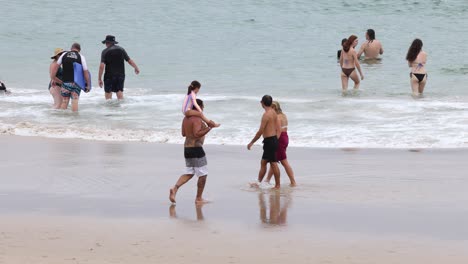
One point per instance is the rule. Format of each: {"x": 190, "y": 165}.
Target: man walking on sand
{"x": 194, "y": 131}
{"x": 270, "y": 130}
{"x": 112, "y": 59}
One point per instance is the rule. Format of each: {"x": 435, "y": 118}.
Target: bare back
{"x": 193, "y": 129}
{"x": 371, "y": 49}
{"x": 419, "y": 64}
{"x": 270, "y": 123}
{"x": 348, "y": 60}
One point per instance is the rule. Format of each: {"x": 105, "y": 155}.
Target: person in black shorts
{"x": 112, "y": 59}
{"x": 270, "y": 129}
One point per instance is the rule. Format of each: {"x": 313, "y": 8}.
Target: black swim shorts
{"x": 270, "y": 145}
{"x": 114, "y": 84}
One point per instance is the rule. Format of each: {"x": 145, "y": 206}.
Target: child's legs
{"x": 189, "y": 113}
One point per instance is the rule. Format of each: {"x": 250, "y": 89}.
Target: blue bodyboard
{"x": 79, "y": 76}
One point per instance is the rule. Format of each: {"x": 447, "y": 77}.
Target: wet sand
{"x": 74, "y": 201}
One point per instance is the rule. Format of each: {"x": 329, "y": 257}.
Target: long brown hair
{"x": 347, "y": 45}
{"x": 414, "y": 50}
{"x": 194, "y": 85}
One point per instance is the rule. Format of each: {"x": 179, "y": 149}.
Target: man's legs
{"x": 108, "y": 96}
{"x": 108, "y": 85}
{"x": 120, "y": 95}
{"x": 263, "y": 169}
{"x": 276, "y": 173}
{"x": 200, "y": 187}
{"x": 182, "y": 180}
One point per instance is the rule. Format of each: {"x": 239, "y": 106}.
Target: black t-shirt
{"x": 113, "y": 57}
{"x": 67, "y": 61}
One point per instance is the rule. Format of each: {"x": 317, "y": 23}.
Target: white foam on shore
{"x": 324, "y": 122}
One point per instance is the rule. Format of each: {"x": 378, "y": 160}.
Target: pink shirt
{"x": 190, "y": 101}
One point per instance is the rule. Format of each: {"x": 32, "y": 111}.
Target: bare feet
{"x": 201, "y": 201}
{"x": 254, "y": 184}
{"x": 172, "y": 194}
{"x": 213, "y": 124}
{"x": 277, "y": 187}
{"x": 293, "y": 184}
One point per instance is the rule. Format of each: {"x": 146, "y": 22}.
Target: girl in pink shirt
{"x": 190, "y": 106}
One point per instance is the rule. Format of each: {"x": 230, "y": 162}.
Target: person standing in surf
{"x": 194, "y": 130}
{"x": 190, "y": 106}
{"x": 349, "y": 62}
{"x": 270, "y": 130}
{"x": 55, "y": 88}
{"x": 372, "y": 47}
{"x": 69, "y": 86}
{"x": 112, "y": 60}
{"x": 417, "y": 59}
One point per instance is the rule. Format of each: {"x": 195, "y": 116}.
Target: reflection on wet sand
{"x": 275, "y": 211}
{"x": 198, "y": 210}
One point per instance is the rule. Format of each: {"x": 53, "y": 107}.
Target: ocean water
{"x": 239, "y": 51}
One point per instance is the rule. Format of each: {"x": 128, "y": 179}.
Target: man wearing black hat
{"x": 3, "y": 89}
{"x": 112, "y": 59}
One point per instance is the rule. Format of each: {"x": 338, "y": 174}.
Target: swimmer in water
{"x": 372, "y": 47}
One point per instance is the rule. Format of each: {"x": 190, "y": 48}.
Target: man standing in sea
{"x": 69, "y": 86}
{"x": 112, "y": 60}
{"x": 372, "y": 47}
{"x": 194, "y": 131}
{"x": 270, "y": 130}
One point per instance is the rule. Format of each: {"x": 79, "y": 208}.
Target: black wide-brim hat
{"x": 110, "y": 39}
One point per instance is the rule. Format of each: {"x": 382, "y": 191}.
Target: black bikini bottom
{"x": 419, "y": 76}
{"x": 347, "y": 72}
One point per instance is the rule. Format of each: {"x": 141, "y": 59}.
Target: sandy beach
{"x": 78, "y": 201}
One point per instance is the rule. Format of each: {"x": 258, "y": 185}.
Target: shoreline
{"x": 258, "y": 143}
{"x": 81, "y": 201}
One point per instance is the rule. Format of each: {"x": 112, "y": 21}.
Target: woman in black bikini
{"x": 417, "y": 58}
{"x": 349, "y": 62}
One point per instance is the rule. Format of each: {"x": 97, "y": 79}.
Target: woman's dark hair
{"x": 414, "y": 50}
{"x": 349, "y": 43}
{"x": 343, "y": 41}
{"x": 194, "y": 85}
{"x": 371, "y": 34}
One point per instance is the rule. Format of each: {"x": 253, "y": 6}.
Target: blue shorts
{"x": 114, "y": 84}
{"x": 70, "y": 90}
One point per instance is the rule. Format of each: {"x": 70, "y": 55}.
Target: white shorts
{"x": 197, "y": 171}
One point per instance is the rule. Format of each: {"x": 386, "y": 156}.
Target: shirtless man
{"x": 194, "y": 131}
{"x": 270, "y": 129}
{"x": 371, "y": 48}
